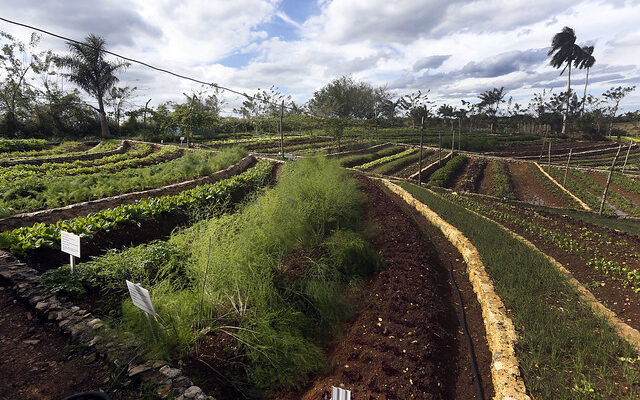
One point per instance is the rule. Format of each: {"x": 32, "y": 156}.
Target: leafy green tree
{"x": 615, "y": 96}
{"x": 415, "y": 105}
{"x": 586, "y": 60}
{"x": 17, "y": 95}
{"x": 118, "y": 98}
{"x": 490, "y": 102}
{"x": 91, "y": 71}
{"x": 564, "y": 50}
{"x": 193, "y": 115}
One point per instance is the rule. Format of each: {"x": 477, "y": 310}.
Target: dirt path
{"x": 528, "y": 188}
{"x": 37, "y": 362}
{"x": 406, "y": 342}
{"x": 471, "y": 176}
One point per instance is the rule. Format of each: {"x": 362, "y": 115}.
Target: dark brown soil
{"x": 601, "y": 178}
{"x": 36, "y": 360}
{"x": 614, "y": 245}
{"x": 528, "y": 188}
{"x": 471, "y": 176}
{"x": 406, "y": 341}
{"x": 486, "y": 183}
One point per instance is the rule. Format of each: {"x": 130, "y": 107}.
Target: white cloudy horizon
{"x": 456, "y": 49}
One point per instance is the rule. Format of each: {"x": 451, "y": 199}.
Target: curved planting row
{"x": 352, "y": 160}
{"x": 565, "y": 351}
{"x": 48, "y": 192}
{"x": 137, "y": 154}
{"x": 443, "y": 176}
{"x": 74, "y": 151}
{"x": 26, "y": 239}
{"x": 8, "y": 146}
{"x": 383, "y": 160}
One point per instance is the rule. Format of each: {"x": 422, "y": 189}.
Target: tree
{"x": 615, "y": 95}
{"x": 343, "y": 99}
{"x": 564, "y": 50}
{"x": 118, "y": 98}
{"x": 16, "y": 94}
{"x": 490, "y": 101}
{"x": 586, "y": 60}
{"x": 89, "y": 69}
{"x": 193, "y": 115}
{"x": 416, "y": 106}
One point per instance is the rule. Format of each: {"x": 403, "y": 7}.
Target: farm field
{"x": 251, "y": 296}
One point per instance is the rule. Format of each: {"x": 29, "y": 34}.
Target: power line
{"x": 166, "y": 71}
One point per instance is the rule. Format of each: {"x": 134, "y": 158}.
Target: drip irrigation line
{"x": 465, "y": 330}
{"x": 163, "y": 70}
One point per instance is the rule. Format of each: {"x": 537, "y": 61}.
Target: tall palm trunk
{"x": 566, "y": 108}
{"x": 104, "y": 126}
{"x": 584, "y": 96}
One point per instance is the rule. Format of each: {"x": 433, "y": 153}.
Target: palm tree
{"x": 564, "y": 50}
{"x": 586, "y": 60}
{"x": 89, "y": 69}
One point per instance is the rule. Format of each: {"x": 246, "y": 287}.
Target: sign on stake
{"x": 140, "y": 298}
{"x": 70, "y": 244}
{"x": 340, "y": 394}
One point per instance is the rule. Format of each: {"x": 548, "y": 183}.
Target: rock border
{"x": 501, "y": 335}
{"x": 429, "y": 169}
{"x": 582, "y": 203}
{"x": 88, "y": 331}
{"x": 86, "y": 207}
{"x": 124, "y": 146}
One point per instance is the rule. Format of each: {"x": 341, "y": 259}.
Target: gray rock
{"x": 192, "y": 392}
{"x": 41, "y": 306}
{"x": 170, "y": 372}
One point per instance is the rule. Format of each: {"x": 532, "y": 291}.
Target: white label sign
{"x": 70, "y": 243}
{"x": 140, "y": 297}
{"x": 340, "y": 394}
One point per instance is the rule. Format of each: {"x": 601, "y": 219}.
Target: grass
{"x": 359, "y": 159}
{"x": 565, "y": 351}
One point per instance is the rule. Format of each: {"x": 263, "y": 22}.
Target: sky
{"x": 456, "y": 49}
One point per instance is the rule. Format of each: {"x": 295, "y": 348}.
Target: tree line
{"x": 35, "y": 103}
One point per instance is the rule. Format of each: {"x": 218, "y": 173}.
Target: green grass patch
{"x": 359, "y": 159}
{"x": 565, "y": 351}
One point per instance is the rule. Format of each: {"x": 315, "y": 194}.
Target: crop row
{"x": 233, "y": 277}
{"x": 48, "y": 192}
{"x": 63, "y": 149}
{"x": 564, "y": 350}
{"x": 22, "y": 240}
{"x": 358, "y": 159}
{"x": 579, "y": 190}
{"x": 617, "y": 200}
{"x": 386, "y": 159}
{"x": 21, "y": 145}
{"x": 401, "y": 163}
{"x": 502, "y": 184}
{"x": 442, "y": 176}
{"x": 139, "y": 153}
{"x": 585, "y": 242}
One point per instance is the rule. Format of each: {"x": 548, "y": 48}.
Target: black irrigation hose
{"x": 465, "y": 330}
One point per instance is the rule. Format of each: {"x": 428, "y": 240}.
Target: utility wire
{"x": 166, "y": 71}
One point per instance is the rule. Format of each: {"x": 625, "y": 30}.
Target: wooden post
{"x": 281, "y": 133}
{"x": 606, "y": 188}
{"x": 439, "y": 147}
{"x": 566, "y": 170}
{"x": 144, "y": 120}
{"x": 459, "y": 132}
{"x": 453, "y": 137}
{"x": 549, "y": 159}
{"x": 420, "y": 158}
{"x": 627, "y": 157}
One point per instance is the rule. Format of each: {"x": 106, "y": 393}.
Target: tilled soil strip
{"x": 501, "y": 335}
{"x": 406, "y": 342}
{"x": 37, "y": 362}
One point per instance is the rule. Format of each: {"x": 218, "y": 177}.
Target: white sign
{"x": 340, "y": 394}
{"x": 140, "y": 297}
{"x": 70, "y": 243}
